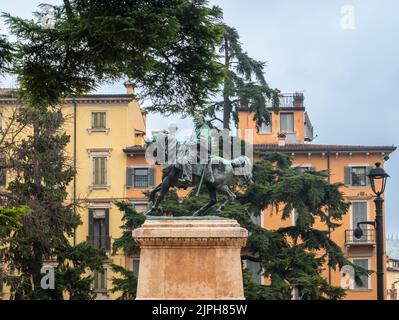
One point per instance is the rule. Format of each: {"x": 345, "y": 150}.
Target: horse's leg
{"x": 164, "y": 187}
{"x": 213, "y": 200}
{"x": 154, "y": 192}
{"x": 230, "y": 194}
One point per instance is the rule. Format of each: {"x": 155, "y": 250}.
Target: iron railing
{"x": 102, "y": 242}
{"x": 286, "y": 101}
{"x": 367, "y": 238}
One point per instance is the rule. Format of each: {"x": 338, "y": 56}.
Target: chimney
{"x": 129, "y": 87}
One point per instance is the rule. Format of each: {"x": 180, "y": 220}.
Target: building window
{"x": 100, "y": 280}
{"x": 294, "y": 217}
{"x": 98, "y": 120}
{"x": 267, "y": 128}
{"x": 287, "y": 122}
{"x": 356, "y": 176}
{"x": 304, "y": 169}
{"x": 359, "y": 176}
{"x": 3, "y": 172}
{"x": 257, "y": 218}
{"x": 255, "y": 269}
{"x": 99, "y": 170}
{"x": 99, "y": 228}
{"x": 140, "y": 177}
{"x": 141, "y": 207}
{"x": 360, "y": 214}
{"x": 136, "y": 265}
{"x": 1, "y": 280}
{"x": 364, "y": 279}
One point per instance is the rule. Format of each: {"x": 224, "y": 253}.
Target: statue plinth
{"x": 190, "y": 259}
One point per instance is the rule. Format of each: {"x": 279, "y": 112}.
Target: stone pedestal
{"x": 190, "y": 259}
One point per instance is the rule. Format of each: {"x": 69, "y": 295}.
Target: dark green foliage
{"x": 42, "y": 174}
{"x": 127, "y": 283}
{"x": 10, "y": 218}
{"x": 164, "y": 47}
{"x": 244, "y": 84}
{"x": 5, "y": 54}
{"x": 290, "y": 257}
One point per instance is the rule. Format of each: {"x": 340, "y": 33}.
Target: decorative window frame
{"x": 365, "y": 164}
{"x": 369, "y": 287}
{"x": 90, "y": 129}
{"x": 351, "y": 211}
{"x": 97, "y": 153}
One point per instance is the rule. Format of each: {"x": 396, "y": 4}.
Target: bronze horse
{"x": 216, "y": 176}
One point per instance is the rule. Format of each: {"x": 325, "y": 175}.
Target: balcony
{"x": 368, "y": 238}
{"x": 287, "y": 100}
{"x": 101, "y": 242}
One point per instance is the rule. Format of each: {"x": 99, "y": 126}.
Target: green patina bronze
{"x": 185, "y": 218}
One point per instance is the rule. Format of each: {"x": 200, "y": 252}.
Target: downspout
{"x": 74, "y": 162}
{"x": 329, "y": 229}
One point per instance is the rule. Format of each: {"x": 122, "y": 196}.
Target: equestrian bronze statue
{"x": 184, "y": 167}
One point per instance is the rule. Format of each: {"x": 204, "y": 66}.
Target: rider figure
{"x": 188, "y": 155}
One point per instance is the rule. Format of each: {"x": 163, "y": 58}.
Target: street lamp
{"x": 378, "y": 178}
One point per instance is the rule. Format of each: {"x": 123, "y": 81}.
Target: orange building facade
{"x": 291, "y": 133}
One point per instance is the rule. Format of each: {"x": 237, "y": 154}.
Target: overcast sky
{"x": 343, "y": 54}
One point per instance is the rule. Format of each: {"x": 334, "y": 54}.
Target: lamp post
{"x": 378, "y": 178}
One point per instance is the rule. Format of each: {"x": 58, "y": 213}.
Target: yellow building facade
{"x": 100, "y": 128}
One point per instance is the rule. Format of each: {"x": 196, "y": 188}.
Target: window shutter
{"x": 368, "y": 183}
{"x": 91, "y": 229}
{"x": 151, "y": 177}
{"x": 129, "y": 177}
{"x": 107, "y": 239}
{"x": 348, "y": 176}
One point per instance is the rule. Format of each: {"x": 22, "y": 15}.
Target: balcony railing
{"x": 286, "y": 101}
{"x": 102, "y": 242}
{"x": 367, "y": 238}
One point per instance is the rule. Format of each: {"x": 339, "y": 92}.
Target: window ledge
{"x": 99, "y": 187}
{"x": 266, "y": 133}
{"x": 105, "y": 291}
{"x": 360, "y": 290}
{"x": 91, "y": 130}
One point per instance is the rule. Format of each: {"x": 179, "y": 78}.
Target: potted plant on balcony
{"x": 281, "y": 139}
{"x": 298, "y": 99}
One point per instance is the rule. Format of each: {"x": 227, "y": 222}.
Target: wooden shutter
{"x": 3, "y": 172}
{"x": 107, "y": 240}
{"x": 102, "y": 120}
{"x": 91, "y": 227}
{"x": 348, "y": 176}
{"x": 151, "y": 177}
{"x": 95, "y": 171}
{"x": 368, "y": 183}
{"x": 103, "y": 170}
{"x": 129, "y": 177}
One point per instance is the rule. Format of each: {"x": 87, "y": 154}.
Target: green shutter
{"x": 91, "y": 230}
{"x": 151, "y": 177}
{"x": 368, "y": 183}
{"x": 103, "y": 171}
{"x": 107, "y": 241}
{"x": 348, "y": 176}
{"x": 129, "y": 177}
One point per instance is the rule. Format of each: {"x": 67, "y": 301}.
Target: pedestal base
{"x": 190, "y": 259}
